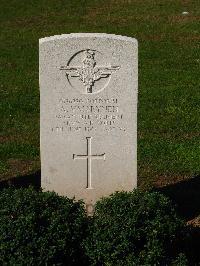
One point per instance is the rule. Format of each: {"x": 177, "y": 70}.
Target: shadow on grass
{"x": 33, "y": 180}
{"x": 186, "y": 196}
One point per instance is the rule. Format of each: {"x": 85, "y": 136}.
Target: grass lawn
{"x": 169, "y": 79}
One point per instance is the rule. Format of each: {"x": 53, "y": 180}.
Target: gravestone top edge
{"x": 88, "y": 35}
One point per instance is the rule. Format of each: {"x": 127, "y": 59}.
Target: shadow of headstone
{"x": 24, "y": 181}
{"x": 186, "y": 196}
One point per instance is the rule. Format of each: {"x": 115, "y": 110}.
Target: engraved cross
{"x": 89, "y": 157}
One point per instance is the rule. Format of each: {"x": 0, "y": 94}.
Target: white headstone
{"x": 88, "y": 96}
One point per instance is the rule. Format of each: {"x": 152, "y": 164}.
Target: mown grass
{"x": 169, "y": 91}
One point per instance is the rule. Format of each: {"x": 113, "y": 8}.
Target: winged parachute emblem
{"x": 89, "y": 73}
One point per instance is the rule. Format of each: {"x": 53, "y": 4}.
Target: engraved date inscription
{"x": 89, "y": 115}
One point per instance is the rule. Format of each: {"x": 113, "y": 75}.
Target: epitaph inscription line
{"x": 89, "y": 157}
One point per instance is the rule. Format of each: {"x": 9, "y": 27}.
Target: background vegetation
{"x": 169, "y": 93}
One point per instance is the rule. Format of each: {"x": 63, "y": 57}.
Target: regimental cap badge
{"x": 89, "y": 73}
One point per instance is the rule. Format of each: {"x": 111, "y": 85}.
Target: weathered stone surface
{"x": 88, "y": 90}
